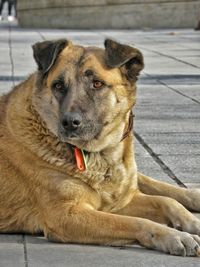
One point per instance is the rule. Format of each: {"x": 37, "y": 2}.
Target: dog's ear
{"x": 45, "y": 53}
{"x": 127, "y": 58}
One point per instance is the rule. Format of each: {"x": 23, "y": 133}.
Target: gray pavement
{"x": 167, "y": 129}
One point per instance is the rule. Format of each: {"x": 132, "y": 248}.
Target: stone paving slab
{"x": 43, "y": 253}
{"x": 11, "y": 251}
{"x": 167, "y": 124}
{"x": 186, "y": 167}
{"x": 171, "y": 138}
{"x": 146, "y": 165}
{"x": 176, "y": 149}
{"x": 5, "y": 86}
{"x": 191, "y": 91}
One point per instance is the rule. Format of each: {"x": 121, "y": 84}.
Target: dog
{"x": 67, "y": 165}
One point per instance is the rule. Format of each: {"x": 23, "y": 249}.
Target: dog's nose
{"x": 71, "y": 121}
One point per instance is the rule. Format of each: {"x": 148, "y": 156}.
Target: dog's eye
{"x": 59, "y": 87}
{"x": 97, "y": 84}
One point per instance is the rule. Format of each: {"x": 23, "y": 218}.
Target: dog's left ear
{"x": 127, "y": 58}
{"x": 46, "y": 53}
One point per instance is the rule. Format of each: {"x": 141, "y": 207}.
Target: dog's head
{"x": 85, "y": 94}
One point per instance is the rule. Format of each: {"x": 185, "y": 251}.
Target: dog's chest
{"x": 114, "y": 183}
{"x": 117, "y": 190}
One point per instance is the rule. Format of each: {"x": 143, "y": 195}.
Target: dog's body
{"x": 82, "y": 97}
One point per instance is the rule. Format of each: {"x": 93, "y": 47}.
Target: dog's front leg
{"x": 190, "y": 198}
{"x": 163, "y": 210}
{"x": 80, "y": 225}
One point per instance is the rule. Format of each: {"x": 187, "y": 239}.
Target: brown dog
{"x": 81, "y": 98}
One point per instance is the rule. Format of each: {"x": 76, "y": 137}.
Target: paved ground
{"x": 167, "y": 128}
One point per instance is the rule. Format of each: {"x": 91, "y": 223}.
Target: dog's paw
{"x": 193, "y": 195}
{"x": 183, "y": 220}
{"x": 189, "y": 224}
{"x": 178, "y": 243}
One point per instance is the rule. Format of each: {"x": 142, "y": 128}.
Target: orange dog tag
{"x": 80, "y": 159}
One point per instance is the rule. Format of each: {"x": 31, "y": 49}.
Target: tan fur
{"x": 41, "y": 189}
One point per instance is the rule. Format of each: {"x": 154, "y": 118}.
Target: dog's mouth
{"x": 83, "y": 134}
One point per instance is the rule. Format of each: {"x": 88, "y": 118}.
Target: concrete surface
{"x": 167, "y": 127}
{"x": 114, "y": 14}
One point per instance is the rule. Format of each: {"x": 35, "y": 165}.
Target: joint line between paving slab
{"x": 178, "y": 92}
{"x": 25, "y": 251}
{"x": 174, "y": 90}
{"x": 7, "y": 78}
{"x": 41, "y": 36}
{"x": 168, "y": 56}
{"x": 177, "y": 59}
{"x": 11, "y": 56}
{"x": 156, "y": 158}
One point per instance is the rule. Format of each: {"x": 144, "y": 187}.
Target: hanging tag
{"x": 80, "y": 159}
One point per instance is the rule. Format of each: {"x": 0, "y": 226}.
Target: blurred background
{"x": 102, "y": 14}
